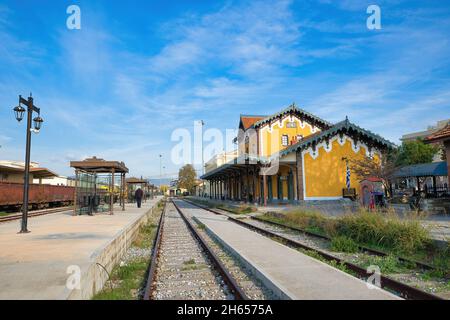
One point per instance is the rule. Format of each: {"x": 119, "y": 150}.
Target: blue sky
{"x": 137, "y": 70}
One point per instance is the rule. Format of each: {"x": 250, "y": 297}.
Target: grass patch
{"x": 201, "y": 226}
{"x": 387, "y": 264}
{"x": 4, "y": 214}
{"x": 376, "y": 230}
{"x": 366, "y": 228}
{"x": 403, "y": 236}
{"x": 344, "y": 244}
{"x": 190, "y": 261}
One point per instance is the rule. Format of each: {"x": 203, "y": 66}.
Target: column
{"x": 248, "y": 186}
{"x": 111, "y": 198}
{"x": 75, "y": 194}
{"x": 210, "y": 188}
{"x": 299, "y": 169}
{"x": 123, "y": 191}
{"x": 265, "y": 189}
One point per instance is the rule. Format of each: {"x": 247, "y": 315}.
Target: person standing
{"x": 138, "y": 196}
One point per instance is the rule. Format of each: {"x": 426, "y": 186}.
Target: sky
{"x": 137, "y": 71}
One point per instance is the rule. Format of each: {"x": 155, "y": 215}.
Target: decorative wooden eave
{"x": 98, "y": 165}
{"x": 340, "y": 128}
{"x": 304, "y": 115}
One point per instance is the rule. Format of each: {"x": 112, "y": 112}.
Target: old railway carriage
{"x": 291, "y": 156}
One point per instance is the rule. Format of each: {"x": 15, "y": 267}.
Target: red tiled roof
{"x": 440, "y": 135}
{"x": 248, "y": 121}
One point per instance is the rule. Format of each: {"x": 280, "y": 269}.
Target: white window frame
{"x": 283, "y": 142}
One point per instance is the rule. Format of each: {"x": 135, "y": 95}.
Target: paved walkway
{"x": 296, "y": 274}
{"x": 34, "y": 265}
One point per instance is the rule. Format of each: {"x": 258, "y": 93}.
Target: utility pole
{"x": 160, "y": 171}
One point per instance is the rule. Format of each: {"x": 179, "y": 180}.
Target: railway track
{"x": 183, "y": 265}
{"x": 403, "y": 290}
{"x": 32, "y": 214}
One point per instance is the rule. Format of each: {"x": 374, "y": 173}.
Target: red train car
{"x": 40, "y": 195}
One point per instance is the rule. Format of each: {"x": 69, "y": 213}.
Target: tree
{"x": 415, "y": 152}
{"x": 186, "y": 178}
{"x": 383, "y": 168}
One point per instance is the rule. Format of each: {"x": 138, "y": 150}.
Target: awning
{"x": 42, "y": 173}
{"x": 432, "y": 169}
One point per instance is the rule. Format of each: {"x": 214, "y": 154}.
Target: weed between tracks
{"x": 129, "y": 277}
{"x": 398, "y": 237}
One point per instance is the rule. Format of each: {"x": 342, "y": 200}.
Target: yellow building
{"x": 291, "y": 156}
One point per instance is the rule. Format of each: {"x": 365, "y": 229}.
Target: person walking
{"x": 138, "y": 196}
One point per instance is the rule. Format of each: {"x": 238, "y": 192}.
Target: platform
{"x": 35, "y": 265}
{"x": 295, "y": 275}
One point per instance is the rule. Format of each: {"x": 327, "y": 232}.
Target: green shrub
{"x": 306, "y": 219}
{"x": 343, "y": 244}
{"x": 404, "y": 236}
{"x": 387, "y": 264}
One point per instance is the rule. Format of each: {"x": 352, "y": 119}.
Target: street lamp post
{"x": 18, "y": 112}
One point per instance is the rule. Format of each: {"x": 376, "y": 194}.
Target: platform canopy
{"x": 42, "y": 173}
{"x": 134, "y": 180}
{"x": 92, "y": 194}
{"x": 99, "y": 165}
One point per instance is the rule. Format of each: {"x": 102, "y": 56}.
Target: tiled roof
{"x": 249, "y": 120}
{"x": 293, "y": 108}
{"x": 440, "y": 135}
{"x": 343, "y": 126}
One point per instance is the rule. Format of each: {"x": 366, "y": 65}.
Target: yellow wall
{"x": 325, "y": 176}
{"x": 271, "y": 141}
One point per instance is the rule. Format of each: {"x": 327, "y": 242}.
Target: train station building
{"x": 292, "y": 156}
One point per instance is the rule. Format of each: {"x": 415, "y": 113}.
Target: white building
{"x": 215, "y": 162}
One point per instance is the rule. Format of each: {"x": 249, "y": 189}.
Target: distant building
{"x": 215, "y": 162}
{"x": 13, "y": 172}
{"x": 57, "y": 181}
{"x": 423, "y": 134}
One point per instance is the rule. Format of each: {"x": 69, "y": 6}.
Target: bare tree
{"x": 382, "y": 168}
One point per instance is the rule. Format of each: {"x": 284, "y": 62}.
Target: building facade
{"x": 292, "y": 156}
{"x": 13, "y": 172}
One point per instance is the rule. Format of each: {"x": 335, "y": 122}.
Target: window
{"x": 291, "y": 124}
{"x": 284, "y": 140}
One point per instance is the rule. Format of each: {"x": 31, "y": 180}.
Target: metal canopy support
{"x": 111, "y": 199}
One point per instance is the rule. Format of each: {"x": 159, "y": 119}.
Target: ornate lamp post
{"x": 19, "y": 113}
